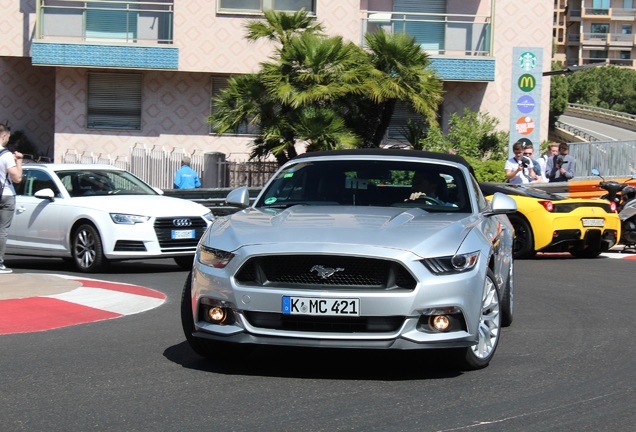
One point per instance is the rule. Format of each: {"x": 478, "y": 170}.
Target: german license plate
{"x": 593, "y": 222}
{"x": 182, "y": 234}
{"x": 320, "y": 306}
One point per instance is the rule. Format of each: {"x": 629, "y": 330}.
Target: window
{"x": 218, "y": 84}
{"x": 111, "y": 21}
{"x": 600, "y": 28}
{"x": 628, "y": 4}
{"x": 626, "y": 29}
{"x": 258, "y": 6}
{"x": 600, "y": 4}
{"x": 598, "y": 54}
{"x": 33, "y": 181}
{"x": 114, "y": 101}
{"x": 625, "y": 55}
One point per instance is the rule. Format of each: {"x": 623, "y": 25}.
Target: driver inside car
{"x": 430, "y": 185}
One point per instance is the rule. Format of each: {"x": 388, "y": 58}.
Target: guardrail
{"x": 616, "y": 118}
{"x": 574, "y": 132}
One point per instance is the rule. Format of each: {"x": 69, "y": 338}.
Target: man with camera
{"x": 519, "y": 168}
{"x": 560, "y": 168}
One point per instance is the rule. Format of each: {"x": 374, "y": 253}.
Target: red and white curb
{"x": 94, "y": 300}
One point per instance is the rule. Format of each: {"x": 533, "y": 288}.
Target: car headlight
{"x": 452, "y": 264}
{"x": 214, "y": 257}
{"x": 208, "y": 216}
{"x": 128, "y": 219}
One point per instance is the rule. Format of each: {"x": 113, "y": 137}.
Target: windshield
{"x": 430, "y": 186}
{"x": 87, "y": 182}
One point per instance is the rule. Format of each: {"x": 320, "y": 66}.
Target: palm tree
{"x": 400, "y": 73}
{"x": 282, "y": 27}
{"x": 324, "y": 91}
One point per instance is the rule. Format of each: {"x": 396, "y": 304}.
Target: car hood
{"x": 398, "y": 228}
{"x": 146, "y": 205}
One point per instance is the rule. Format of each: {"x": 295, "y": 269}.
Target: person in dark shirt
{"x": 560, "y": 168}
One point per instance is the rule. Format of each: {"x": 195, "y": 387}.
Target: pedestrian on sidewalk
{"x": 10, "y": 172}
{"x": 186, "y": 177}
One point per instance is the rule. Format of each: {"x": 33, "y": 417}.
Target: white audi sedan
{"x": 93, "y": 214}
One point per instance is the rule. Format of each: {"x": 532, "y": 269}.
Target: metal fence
{"x": 157, "y": 165}
{"x": 611, "y": 158}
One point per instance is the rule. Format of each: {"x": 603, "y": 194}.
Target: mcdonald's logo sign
{"x": 527, "y": 82}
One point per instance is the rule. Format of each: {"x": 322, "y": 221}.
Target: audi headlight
{"x": 128, "y": 219}
{"x": 452, "y": 264}
{"x": 216, "y": 258}
{"x": 208, "y": 216}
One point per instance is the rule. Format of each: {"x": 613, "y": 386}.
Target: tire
{"x": 479, "y": 355}
{"x": 507, "y": 299}
{"x": 185, "y": 261}
{"x": 523, "y": 246}
{"x": 87, "y": 250}
{"x": 204, "y": 348}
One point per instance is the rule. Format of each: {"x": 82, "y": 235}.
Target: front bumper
{"x": 257, "y": 310}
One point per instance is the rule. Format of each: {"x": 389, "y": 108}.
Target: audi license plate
{"x": 182, "y": 234}
{"x": 320, "y": 306}
{"x": 593, "y": 222}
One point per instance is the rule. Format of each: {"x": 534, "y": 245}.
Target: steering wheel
{"x": 428, "y": 200}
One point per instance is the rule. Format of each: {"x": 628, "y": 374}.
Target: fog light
{"x": 217, "y": 314}
{"x": 440, "y": 322}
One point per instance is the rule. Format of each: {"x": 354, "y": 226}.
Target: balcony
{"x": 574, "y": 15}
{"x": 460, "y": 45}
{"x": 612, "y": 40}
{"x": 619, "y": 14}
{"x": 595, "y": 40}
{"x": 130, "y": 34}
{"x": 630, "y": 63}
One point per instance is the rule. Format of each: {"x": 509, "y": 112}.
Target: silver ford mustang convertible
{"x": 369, "y": 249}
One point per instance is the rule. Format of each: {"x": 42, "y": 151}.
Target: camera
{"x": 525, "y": 161}
{"x": 559, "y": 161}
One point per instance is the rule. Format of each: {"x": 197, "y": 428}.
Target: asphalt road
{"x": 566, "y": 364}
{"x": 602, "y": 131}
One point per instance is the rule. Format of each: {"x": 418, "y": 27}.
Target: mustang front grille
{"x": 313, "y": 271}
{"x": 164, "y": 228}
{"x": 276, "y": 321}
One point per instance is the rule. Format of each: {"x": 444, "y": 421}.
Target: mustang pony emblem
{"x": 324, "y": 272}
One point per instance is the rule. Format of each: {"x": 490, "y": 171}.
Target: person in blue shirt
{"x": 186, "y": 177}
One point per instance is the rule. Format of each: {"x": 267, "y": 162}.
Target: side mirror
{"x": 239, "y": 197}
{"x": 45, "y": 194}
{"x": 596, "y": 172}
{"x": 501, "y": 204}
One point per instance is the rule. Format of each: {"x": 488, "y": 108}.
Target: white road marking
{"x": 109, "y": 300}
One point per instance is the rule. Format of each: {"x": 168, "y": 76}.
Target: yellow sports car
{"x": 546, "y": 222}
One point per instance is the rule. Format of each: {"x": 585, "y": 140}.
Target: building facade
{"x": 104, "y": 77}
{"x": 595, "y": 31}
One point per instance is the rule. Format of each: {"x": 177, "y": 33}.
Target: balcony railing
{"x": 624, "y": 14}
{"x": 631, "y": 63}
{"x": 144, "y": 22}
{"x": 438, "y": 34}
{"x": 609, "y": 39}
